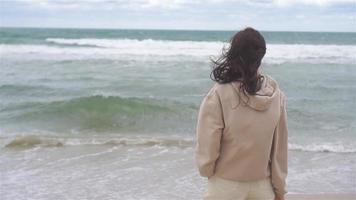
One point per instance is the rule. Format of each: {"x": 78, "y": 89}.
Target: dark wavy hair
{"x": 240, "y": 61}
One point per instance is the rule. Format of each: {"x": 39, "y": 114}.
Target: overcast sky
{"x": 280, "y": 15}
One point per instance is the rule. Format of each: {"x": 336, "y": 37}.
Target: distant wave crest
{"x": 116, "y": 48}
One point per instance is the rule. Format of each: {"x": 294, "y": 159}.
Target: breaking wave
{"x": 31, "y": 141}
{"x": 116, "y": 48}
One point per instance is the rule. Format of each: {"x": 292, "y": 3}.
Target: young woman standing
{"x": 242, "y": 134}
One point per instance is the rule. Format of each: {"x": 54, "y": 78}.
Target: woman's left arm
{"x": 209, "y": 130}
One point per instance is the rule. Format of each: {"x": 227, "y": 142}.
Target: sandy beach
{"x": 321, "y": 197}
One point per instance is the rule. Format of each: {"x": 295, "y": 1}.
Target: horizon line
{"x": 178, "y": 29}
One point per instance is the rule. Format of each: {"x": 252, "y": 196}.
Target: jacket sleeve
{"x": 279, "y": 153}
{"x": 209, "y": 130}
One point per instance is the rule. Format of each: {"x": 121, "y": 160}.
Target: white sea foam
{"x": 117, "y": 48}
{"x": 324, "y": 147}
{"x": 31, "y": 141}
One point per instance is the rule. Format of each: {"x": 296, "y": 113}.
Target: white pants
{"x": 222, "y": 189}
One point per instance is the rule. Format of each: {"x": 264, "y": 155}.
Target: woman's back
{"x": 243, "y": 136}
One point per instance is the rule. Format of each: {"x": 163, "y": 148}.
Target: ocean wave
{"x": 31, "y": 141}
{"x": 96, "y": 102}
{"x": 101, "y": 113}
{"x": 116, "y": 48}
{"x": 72, "y": 42}
{"x": 323, "y": 147}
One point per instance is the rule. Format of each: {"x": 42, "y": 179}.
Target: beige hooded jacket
{"x": 244, "y": 142}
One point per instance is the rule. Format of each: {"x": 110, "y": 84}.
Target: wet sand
{"x": 321, "y": 197}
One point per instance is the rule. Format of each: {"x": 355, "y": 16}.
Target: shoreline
{"x": 321, "y": 196}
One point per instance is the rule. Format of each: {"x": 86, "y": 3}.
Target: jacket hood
{"x": 264, "y": 97}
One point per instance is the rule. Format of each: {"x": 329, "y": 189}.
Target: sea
{"x": 111, "y": 113}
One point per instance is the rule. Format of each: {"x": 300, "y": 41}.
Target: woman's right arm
{"x": 279, "y": 153}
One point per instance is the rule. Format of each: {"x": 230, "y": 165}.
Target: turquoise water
{"x": 60, "y": 87}
{"x": 149, "y": 81}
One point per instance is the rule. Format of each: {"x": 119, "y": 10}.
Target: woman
{"x": 242, "y": 134}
